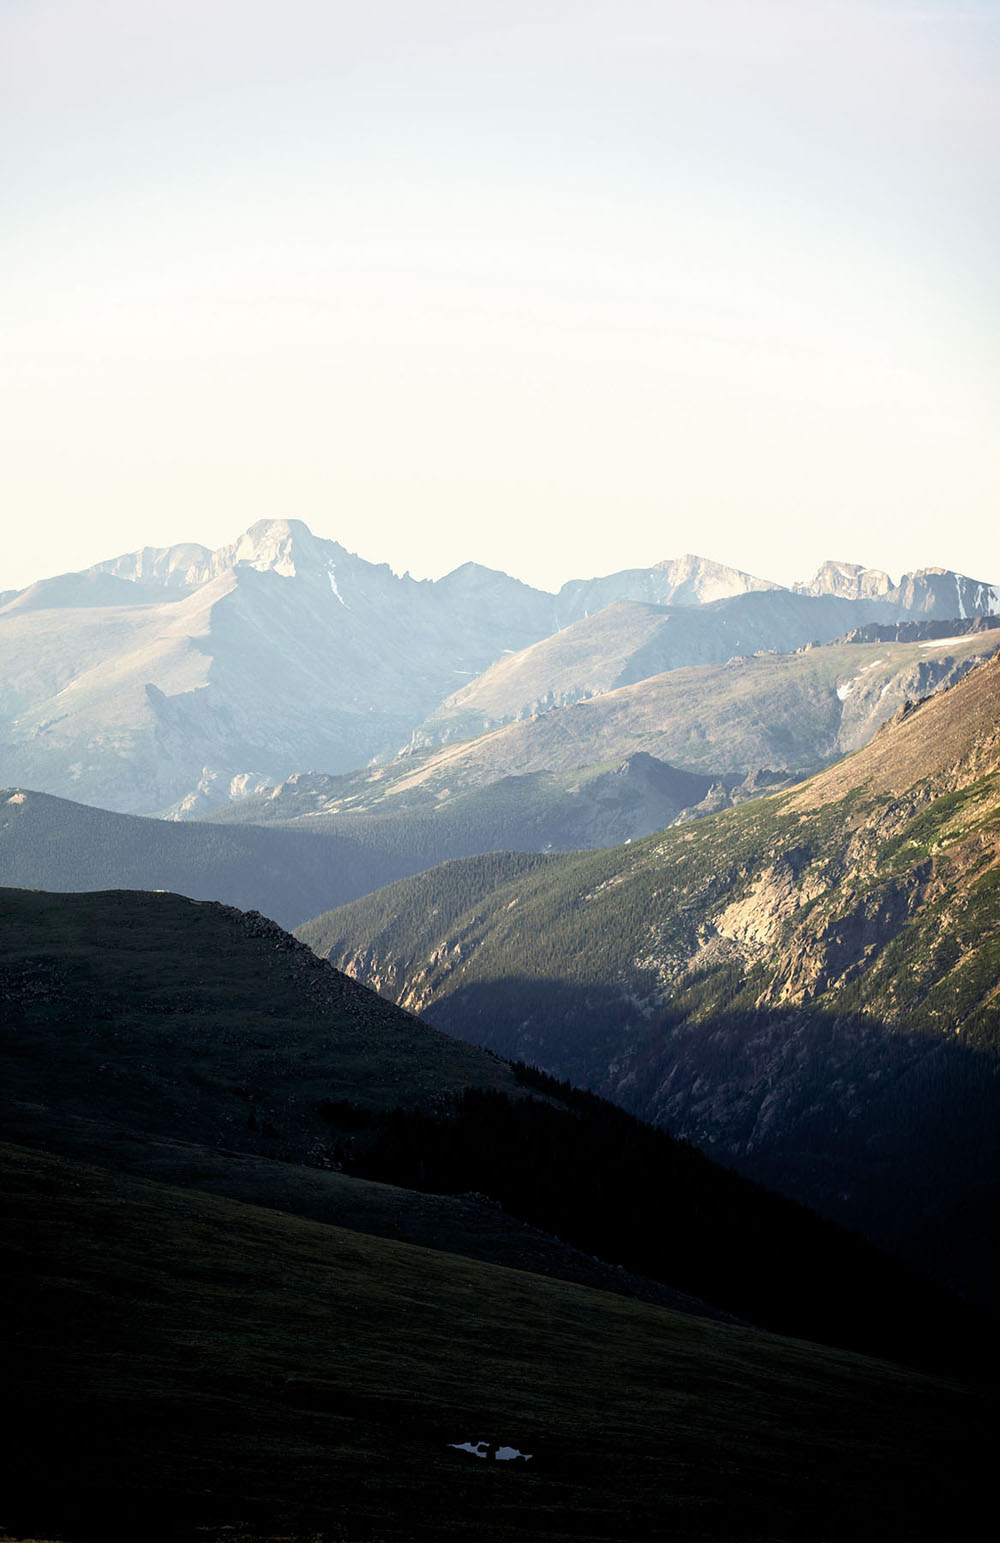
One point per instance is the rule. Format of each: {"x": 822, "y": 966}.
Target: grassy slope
{"x": 193, "y": 1042}
{"x": 184, "y": 1363}
{"x": 53, "y": 843}
{"x": 183, "y": 1019}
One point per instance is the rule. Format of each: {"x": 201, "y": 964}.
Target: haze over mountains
{"x": 179, "y": 678}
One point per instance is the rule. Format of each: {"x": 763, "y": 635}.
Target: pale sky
{"x": 560, "y": 286}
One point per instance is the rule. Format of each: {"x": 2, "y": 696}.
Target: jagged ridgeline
{"x": 178, "y": 679}
{"x": 151, "y": 1032}
{"x": 806, "y": 983}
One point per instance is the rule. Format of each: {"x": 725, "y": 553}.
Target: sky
{"x": 558, "y": 286}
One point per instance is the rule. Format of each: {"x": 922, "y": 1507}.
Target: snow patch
{"x": 961, "y": 607}
{"x": 331, "y": 574}
{"x": 844, "y": 691}
{"x": 484, "y": 1449}
{"x": 480, "y": 1448}
{"x": 965, "y": 637}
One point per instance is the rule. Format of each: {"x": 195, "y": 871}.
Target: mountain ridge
{"x": 174, "y": 678}
{"x": 769, "y": 981}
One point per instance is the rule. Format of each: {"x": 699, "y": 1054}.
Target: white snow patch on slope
{"x": 961, "y": 607}
{"x": 331, "y": 574}
{"x": 482, "y": 1449}
{"x": 946, "y": 642}
{"x": 848, "y": 686}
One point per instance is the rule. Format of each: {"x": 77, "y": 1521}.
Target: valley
{"x": 806, "y": 983}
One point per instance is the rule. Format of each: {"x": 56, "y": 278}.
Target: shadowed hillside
{"x": 691, "y": 975}
{"x": 132, "y": 1020}
{"x": 186, "y": 1368}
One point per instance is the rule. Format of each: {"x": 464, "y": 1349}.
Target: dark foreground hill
{"x": 195, "y": 1043}
{"x": 184, "y": 1365}
{"x": 185, "y": 1368}
{"x": 807, "y": 983}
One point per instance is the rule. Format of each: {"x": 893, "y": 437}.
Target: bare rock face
{"x": 686, "y": 580}
{"x": 931, "y": 593}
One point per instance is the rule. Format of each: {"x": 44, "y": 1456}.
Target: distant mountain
{"x": 930, "y": 592}
{"x": 299, "y": 849}
{"x": 628, "y": 643}
{"x": 280, "y": 652}
{"x": 806, "y": 983}
{"x": 172, "y": 680}
{"x": 793, "y": 712}
{"x": 680, "y": 581}
{"x": 536, "y": 811}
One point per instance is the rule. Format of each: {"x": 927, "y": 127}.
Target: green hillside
{"x": 201, "y": 1045}
{"x": 187, "y": 1368}
{"x": 53, "y": 843}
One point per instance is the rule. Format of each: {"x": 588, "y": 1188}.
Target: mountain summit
{"x": 929, "y": 592}
{"x": 173, "y": 679}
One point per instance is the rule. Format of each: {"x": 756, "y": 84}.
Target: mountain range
{"x": 177, "y": 679}
{"x": 316, "y": 841}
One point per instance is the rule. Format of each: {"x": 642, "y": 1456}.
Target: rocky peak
{"x": 849, "y": 581}
{"x": 937, "y": 593}
{"x": 693, "y": 580}
{"x": 687, "y": 580}
{"x": 183, "y": 566}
